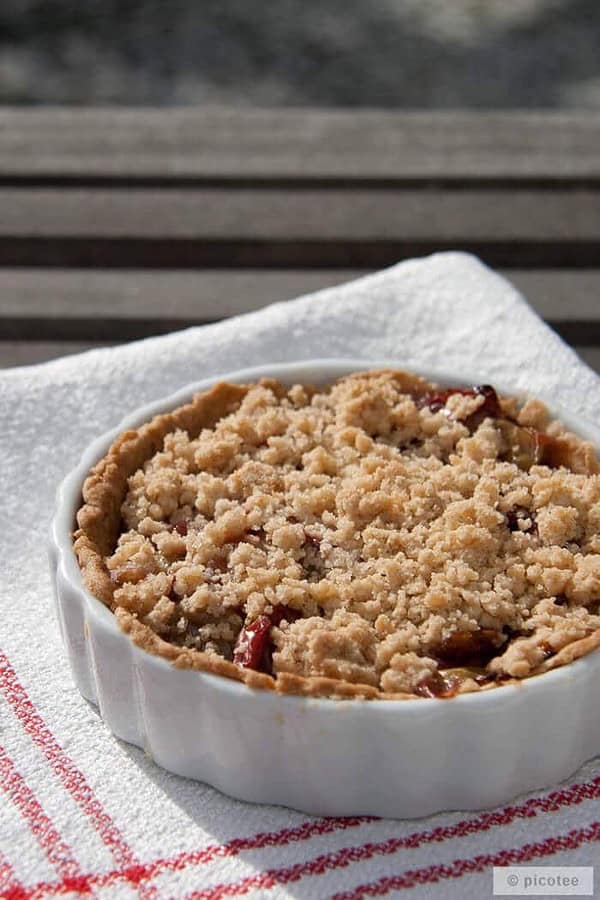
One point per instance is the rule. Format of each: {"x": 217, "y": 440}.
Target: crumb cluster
{"x": 376, "y": 532}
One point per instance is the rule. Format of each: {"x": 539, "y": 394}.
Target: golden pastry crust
{"x": 376, "y": 538}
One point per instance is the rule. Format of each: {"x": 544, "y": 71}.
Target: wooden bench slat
{"x": 560, "y": 294}
{"x": 210, "y": 294}
{"x": 25, "y": 353}
{"x": 301, "y": 215}
{"x": 590, "y": 355}
{"x": 297, "y": 144}
{"x": 163, "y": 253}
{"x": 294, "y": 228}
{"x": 29, "y": 353}
{"x": 206, "y": 294}
{"x": 114, "y": 330}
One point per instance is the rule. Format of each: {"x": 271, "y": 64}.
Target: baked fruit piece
{"x": 379, "y": 537}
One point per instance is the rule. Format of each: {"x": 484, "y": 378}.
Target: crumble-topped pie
{"x": 378, "y": 537}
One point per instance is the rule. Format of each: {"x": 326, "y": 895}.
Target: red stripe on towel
{"x": 57, "y": 851}
{"x": 10, "y": 886}
{"x": 72, "y": 778}
{"x": 460, "y": 867}
{"x": 181, "y": 861}
{"x": 340, "y": 859}
{"x": 571, "y": 796}
{"x": 138, "y": 873}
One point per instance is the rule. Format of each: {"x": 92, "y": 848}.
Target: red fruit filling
{"x": 254, "y": 648}
{"x": 490, "y": 406}
{"x": 519, "y": 514}
{"x": 526, "y": 446}
{"x": 438, "y": 685}
{"x": 446, "y": 683}
{"x": 251, "y": 643}
{"x": 311, "y": 541}
{"x": 469, "y": 648}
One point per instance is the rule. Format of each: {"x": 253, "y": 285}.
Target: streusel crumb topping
{"x": 378, "y": 531}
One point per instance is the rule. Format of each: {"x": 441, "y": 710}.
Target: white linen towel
{"x": 81, "y": 812}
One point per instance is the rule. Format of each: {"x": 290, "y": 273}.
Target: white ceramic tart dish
{"x": 406, "y": 757}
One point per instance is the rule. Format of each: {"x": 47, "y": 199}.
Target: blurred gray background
{"x": 385, "y": 53}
